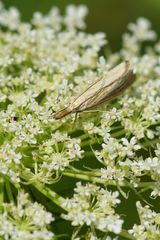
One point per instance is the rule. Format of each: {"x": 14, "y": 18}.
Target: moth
{"x": 105, "y": 88}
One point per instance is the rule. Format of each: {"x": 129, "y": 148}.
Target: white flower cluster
{"x": 149, "y": 166}
{"x": 10, "y": 162}
{"x": 26, "y": 220}
{"x": 44, "y": 64}
{"x": 140, "y": 31}
{"x": 149, "y": 224}
{"x": 10, "y": 18}
{"x": 114, "y": 149}
{"x": 56, "y": 154}
{"x": 92, "y": 205}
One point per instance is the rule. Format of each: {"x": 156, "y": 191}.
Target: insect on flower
{"x": 107, "y": 87}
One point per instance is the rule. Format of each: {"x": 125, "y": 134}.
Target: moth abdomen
{"x": 62, "y": 113}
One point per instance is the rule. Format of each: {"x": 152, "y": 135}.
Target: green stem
{"x": 118, "y": 133}
{"x": 1, "y": 191}
{"x": 148, "y": 144}
{"x": 95, "y": 177}
{"x": 125, "y": 234}
{"x": 87, "y": 176}
{"x": 49, "y": 193}
{"x": 9, "y": 190}
{"x": 46, "y": 191}
{"x": 89, "y": 142}
{"x": 84, "y": 136}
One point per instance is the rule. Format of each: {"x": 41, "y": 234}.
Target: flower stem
{"x": 95, "y": 177}
{"x": 125, "y": 234}
{"x": 46, "y": 191}
{"x": 1, "y": 191}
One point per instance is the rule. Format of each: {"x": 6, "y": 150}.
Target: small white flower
{"x": 17, "y": 220}
{"x": 142, "y": 30}
{"x": 83, "y": 211}
{"x": 75, "y": 16}
{"x": 130, "y": 147}
{"x": 74, "y": 149}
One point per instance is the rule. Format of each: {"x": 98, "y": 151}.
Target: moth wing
{"x": 109, "y": 91}
{"x": 90, "y": 91}
{"x": 89, "y": 97}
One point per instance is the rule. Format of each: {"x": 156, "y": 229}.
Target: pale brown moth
{"x": 107, "y": 87}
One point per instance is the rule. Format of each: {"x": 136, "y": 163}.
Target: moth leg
{"x": 75, "y": 118}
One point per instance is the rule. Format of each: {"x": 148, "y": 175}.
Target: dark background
{"x": 109, "y": 16}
